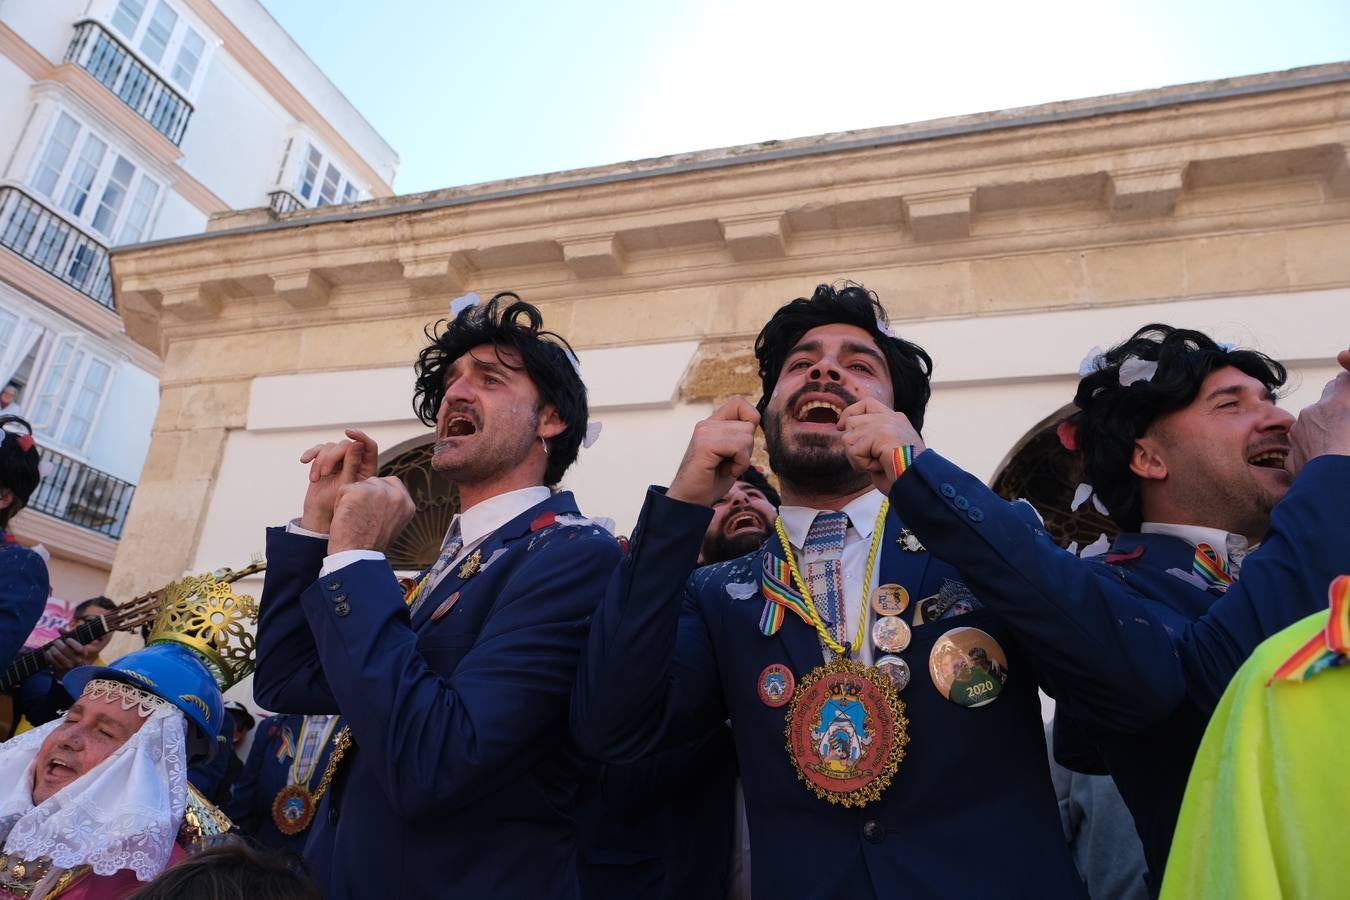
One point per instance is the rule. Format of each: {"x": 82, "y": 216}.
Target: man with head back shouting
{"x": 867, "y": 771}
{"x": 456, "y": 771}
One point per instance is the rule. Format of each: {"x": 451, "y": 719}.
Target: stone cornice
{"x": 1160, "y": 169}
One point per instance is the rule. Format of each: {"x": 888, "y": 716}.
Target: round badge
{"x": 968, "y": 667}
{"x": 293, "y": 809}
{"x": 896, "y": 669}
{"x": 890, "y": 599}
{"x": 846, "y": 732}
{"x": 776, "y": 684}
{"x": 890, "y": 633}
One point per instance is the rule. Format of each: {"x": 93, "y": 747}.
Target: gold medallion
{"x": 293, "y": 809}
{"x": 471, "y": 566}
{"x": 846, "y": 732}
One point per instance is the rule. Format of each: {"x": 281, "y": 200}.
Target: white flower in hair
{"x": 1082, "y": 494}
{"x": 1093, "y": 362}
{"x": 1134, "y": 369}
{"x": 459, "y": 304}
{"x": 593, "y": 429}
{"x": 1225, "y": 346}
{"x": 886, "y": 329}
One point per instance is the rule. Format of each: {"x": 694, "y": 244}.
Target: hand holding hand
{"x": 1324, "y": 427}
{"x": 331, "y": 466}
{"x": 719, "y": 451}
{"x": 872, "y": 432}
{"x": 369, "y": 514}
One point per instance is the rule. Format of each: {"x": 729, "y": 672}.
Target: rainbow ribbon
{"x": 1211, "y": 568}
{"x": 902, "y": 458}
{"x": 1327, "y": 648}
{"x": 287, "y": 748}
{"x": 775, "y": 584}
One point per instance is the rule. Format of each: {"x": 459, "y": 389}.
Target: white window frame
{"x": 296, "y": 156}
{"x": 54, "y": 423}
{"x": 183, "y": 24}
{"x": 116, "y": 231}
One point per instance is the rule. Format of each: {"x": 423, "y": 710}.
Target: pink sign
{"x": 54, "y": 619}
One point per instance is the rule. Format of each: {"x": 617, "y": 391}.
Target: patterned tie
{"x": 823, "y": 556}
{"x": 450, "y": 548}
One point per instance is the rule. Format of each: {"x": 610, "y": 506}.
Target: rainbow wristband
{"x": 903, "y": 457}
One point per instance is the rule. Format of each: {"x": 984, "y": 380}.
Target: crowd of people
{"x": 823, "y": 685}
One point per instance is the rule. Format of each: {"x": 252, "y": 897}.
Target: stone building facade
{"x": 1007, "y": 244}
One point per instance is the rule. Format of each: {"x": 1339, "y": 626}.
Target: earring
{"x": 545, "y": 443}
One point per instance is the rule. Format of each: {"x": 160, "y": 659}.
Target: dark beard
{"x": 720, "y": 548}
{"x": 816, "y": 465}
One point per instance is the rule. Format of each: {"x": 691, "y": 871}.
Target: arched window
{"x": 437, "y": 502}
{"x": 1039, "y": 469}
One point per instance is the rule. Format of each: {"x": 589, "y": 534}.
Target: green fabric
{"x": 1267, "y": 808}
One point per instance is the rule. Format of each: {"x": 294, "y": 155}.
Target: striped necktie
{"x": 823, "y": 556}
{"x": 450, "y": 548}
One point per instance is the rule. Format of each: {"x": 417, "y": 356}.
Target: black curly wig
{"x": 19, "y": 462}
{"x": 1113, "y": 416}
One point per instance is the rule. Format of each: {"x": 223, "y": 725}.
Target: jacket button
{"x": 334, "y": 585}
{"x": 961, "y": 503}
{"x": 976, "y": 514}
{"x": 342, "y": 609}
{"x": 339, "y": 598}
{"x": 332, "y": 814}
{"x": 947, "y": 491}
{"x": 873, "y": 832}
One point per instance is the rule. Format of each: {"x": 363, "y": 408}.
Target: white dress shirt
{"x": 475, "y": 524}
{"x": 862, "y": 517}
{"x": 1231, "y": 548}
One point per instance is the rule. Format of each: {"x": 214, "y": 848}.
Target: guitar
{"x": 129, "y": 616}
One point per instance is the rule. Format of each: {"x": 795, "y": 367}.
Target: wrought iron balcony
{"x": 82, "y": 495}
{"x": 283, "y": 201}
{"x": 116, "y": 67}
{"x": 54, "y": 245}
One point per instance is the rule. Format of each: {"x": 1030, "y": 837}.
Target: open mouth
{"x": 820, "y": 412}
{"x": 1269, "y": 459}
{"x": 460, "y": 426}
{"x": 743, "y": 522}
{"x": 55, "y": 768}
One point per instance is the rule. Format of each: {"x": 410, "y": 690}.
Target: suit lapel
{"x": 517, "y": 528}
{"x": 899, "y": 566}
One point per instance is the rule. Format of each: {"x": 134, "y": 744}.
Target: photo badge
{"x": 890, "y": 599}
{"x": 968, "y": 667}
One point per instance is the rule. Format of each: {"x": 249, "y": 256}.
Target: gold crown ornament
{"x": 204, "y": 614}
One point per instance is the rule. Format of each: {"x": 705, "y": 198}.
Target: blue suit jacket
{"x": 1137, "y": 657}
{"x": 24, "y": 589}
{"x": 250, "y": 805}
{"x": 462, "y": 775}
{"x": 971, "y": 810}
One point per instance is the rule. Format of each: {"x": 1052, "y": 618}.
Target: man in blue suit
{"x": 1183, "y": 442}
{"x": 24, "y": 586}
{"x": 811, "y": 645}
{"x": 287, "y": 750}
{"x": 459, "y": 775}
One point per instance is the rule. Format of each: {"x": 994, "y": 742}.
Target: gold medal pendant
{"x": 293, "y": 809}
{"x": 846, "y": 732}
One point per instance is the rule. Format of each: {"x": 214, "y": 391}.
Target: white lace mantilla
{"x": 122, "y": 814}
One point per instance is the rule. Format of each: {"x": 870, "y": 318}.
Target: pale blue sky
{"x": 470, "y": 92}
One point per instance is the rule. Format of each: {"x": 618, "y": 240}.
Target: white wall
{"x": 177, "y": 216}
{"x": 14, "y": 106}
{"x": 46, "y": 24}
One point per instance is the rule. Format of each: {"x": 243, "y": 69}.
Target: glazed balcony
{"x": 45, "y": 239}
{"x": 120, "y": 70}
{"x": 82, "y": 495}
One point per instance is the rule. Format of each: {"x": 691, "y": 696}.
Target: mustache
{"x": 818, "y": 387}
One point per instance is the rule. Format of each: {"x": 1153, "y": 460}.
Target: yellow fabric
{"x": 1267, "y": 807}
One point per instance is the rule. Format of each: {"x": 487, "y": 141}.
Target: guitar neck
{"x": 34, "y": 661}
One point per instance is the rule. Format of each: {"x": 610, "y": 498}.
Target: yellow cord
{"x": 877, "y": 529}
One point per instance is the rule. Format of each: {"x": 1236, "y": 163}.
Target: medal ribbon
{"x": 791, "y": 562}
{"x": 1211, "y": 568}
{"x": 313, "y": 738}
{"x": 287, "y": 747}
{"x": 1328, "y": 647}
